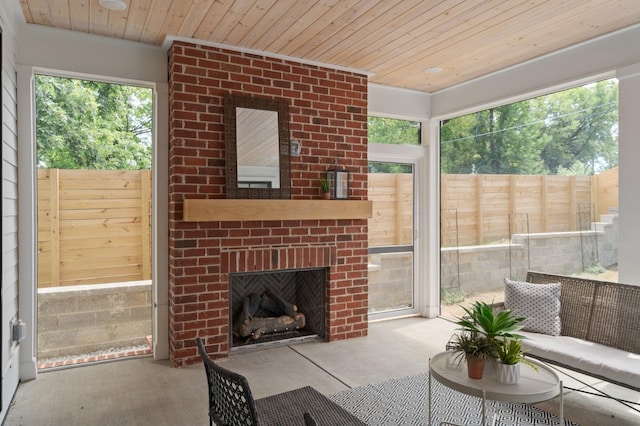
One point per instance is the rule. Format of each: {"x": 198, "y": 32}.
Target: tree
{"x": 393, "y": 131}
{"x": 92, "y": 125}
{"x": 583, "y": 127}
{"x": 539, "y": 136}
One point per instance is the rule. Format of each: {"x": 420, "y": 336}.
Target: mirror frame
{"x": 281, "y": 106}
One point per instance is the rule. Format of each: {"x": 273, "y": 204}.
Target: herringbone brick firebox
{"x": 328, "y": 115}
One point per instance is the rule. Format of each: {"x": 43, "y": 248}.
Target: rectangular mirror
{"x": 257, "y": 147}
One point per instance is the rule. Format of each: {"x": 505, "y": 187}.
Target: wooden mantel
{"x": 198, "y": 210}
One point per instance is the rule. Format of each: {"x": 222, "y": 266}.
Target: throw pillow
{"x": 538, "y": 303}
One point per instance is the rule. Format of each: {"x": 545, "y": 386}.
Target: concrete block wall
{"x": 483, "y": 268}
{"x": 390, "y": 281}
{"x": 84, "y": 319}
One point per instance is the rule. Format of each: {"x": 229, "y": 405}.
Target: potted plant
{"x": 325, "y": 188}
{"x": 481, "y": 319}
{"x": 510, "y": 355}
{"x": 475, "y": 348}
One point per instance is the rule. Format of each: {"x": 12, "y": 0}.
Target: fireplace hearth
{"x": 303, "y": 288}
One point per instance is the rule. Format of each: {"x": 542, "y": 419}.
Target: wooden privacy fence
{"x": 477, "y": 209}
{"x": 94, "y": 226}
{"x": 392, "y": 219}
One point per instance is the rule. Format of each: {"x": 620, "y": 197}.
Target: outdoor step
{"x": 608, "y": 218}
{"x": 599, "y": 226}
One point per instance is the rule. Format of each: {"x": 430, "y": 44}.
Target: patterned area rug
{"x": 404, "y": 401}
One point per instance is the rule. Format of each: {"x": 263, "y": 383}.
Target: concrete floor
{"x": 145, "y": 392}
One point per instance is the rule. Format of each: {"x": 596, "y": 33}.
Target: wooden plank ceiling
{"x": 394, "y": 40}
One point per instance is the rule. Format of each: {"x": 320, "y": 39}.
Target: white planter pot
{"x": 508, "y": 374}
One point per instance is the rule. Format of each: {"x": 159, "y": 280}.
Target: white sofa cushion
{"x": 592, "y": 358}
{"x": 538, "y": 303}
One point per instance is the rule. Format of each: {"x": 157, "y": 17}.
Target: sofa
{"x": 585, "y": 325}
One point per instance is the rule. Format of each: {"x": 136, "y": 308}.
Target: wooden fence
{"x": 392, "y": 197}
{"x": 94, "y": 226}
{"x": 483, "y": 209}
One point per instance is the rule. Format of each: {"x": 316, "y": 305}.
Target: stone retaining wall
{"x": 483, "y": 268}
{"x": 84, "y": 319}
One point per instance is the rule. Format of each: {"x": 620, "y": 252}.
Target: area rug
{"x": 404, "y": 401}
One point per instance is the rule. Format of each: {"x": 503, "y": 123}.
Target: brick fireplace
{"x": 328, "y": 115}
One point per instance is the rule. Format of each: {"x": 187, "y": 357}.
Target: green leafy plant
{"x": 595, "y": 269}
{"x": 472, "y": 345}
{"x": 324, "y": 185}
{"x": 449, "y": 297}
{"x": 480, "y": 319}
{"x": 510, "y": 352}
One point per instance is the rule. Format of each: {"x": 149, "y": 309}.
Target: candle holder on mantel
{"x": 338, "y": 183}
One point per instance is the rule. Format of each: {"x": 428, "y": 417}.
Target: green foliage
{"x": 393, "y": 131}
{"x": 573, "y": 130}
{"x": 473, "y": 345}
{"x": 324, "y": 185}
{"x": 449, "y": 297}
{"x": 595, "y": 269}
{"x": 92, "y": 125}
{"x": 509, "y": 351}
{"x": 480, "y": 319}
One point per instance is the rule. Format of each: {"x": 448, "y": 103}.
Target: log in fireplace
{"x": 303, "y": 288}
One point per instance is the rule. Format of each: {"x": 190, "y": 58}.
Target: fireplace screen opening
{"x": 277, "y": 306}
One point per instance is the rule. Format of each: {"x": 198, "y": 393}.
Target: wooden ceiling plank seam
{"x": 212, "y": 19}
{"x": 79, "y": 16}
{"x": 195, "y": 15}
{"x": 372, "y": 41}
{"x": 306, "y": 27}
{"x": 276, "y": 20}
{"x": 251, "y": 28}
{"x": 323, "y": 28}
{"x": 40, "y": 12}
{"x": 379, "y": 40}
{"x": 60, "y": 13}
{"x": 139, "y": 10}
{"x": 98, "y": 19}
{"x": 26, "y": 11}
{"x": 439, "y": 26}
{"x": 174, "y": 19}
{"x": 470, "y": 43}
{"x": 232, "y": 18}
{"x": 495, "y": 49}
{"x": 117, "y": 23}
{"x": 500, "y": 62}
{"x": 449, "y": 33}
{"x": 154, "y": 21}
{"x": 377, "y": 22}
{"x": 341, "y": 28}
{"x": 493, "y": 52}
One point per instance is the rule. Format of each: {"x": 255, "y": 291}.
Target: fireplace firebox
{"x": 304, "y": 288}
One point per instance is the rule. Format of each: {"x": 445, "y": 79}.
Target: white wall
{"x": 9, "y": 364}
{"x": 66, "y": 53}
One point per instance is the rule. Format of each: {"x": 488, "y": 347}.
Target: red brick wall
{"x": 328, "y": 115}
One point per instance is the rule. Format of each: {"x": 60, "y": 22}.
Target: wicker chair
{"x": 230, "y": 399}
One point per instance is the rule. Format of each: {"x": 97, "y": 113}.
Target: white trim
{"x": 170, "y": 38}
{"x": 394, "y": 102}
{"x": 160, "y": 222}
{"x": 27, "y": 207}
{"x": 431, "y": 133}
{"x": 414, "y": 155}
{"x": 27, "y": 212}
